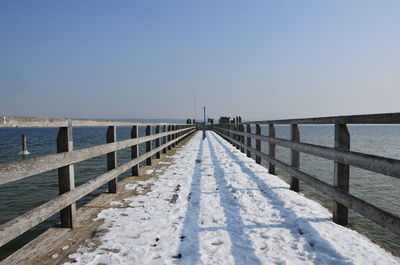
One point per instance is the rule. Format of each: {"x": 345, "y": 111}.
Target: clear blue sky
{"x": 145, "y": 59}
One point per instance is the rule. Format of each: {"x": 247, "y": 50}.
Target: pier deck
{"x": 214, "y": 205}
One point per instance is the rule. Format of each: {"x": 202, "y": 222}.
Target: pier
{"x": 201, "y": 200}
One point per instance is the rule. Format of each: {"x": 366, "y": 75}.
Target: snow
{"x": 164, "y": 163}
{"x": 229, "y": 211}
{"x": 149, "y": 171}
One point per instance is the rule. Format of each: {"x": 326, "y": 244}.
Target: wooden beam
{"x": 164, "y": 151}
{"x": 258, "y": 143}
{"x": 271, "y": 148}
{"x": 341, "y": 174}
{"x": 135, "y": 150}
{"x": 248, "y": 139}
{"x": 29, "y": 122}
{"x": 112, "y": 158}
{"x": 383, "y": 118}
{"x": 66, "y": 177}
{"x": 294, "y": 156}
{"x": 148, "y": 145}
{"x": 158, "y": 154}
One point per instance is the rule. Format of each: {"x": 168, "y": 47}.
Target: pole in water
{"x": 204, "y": 124}
{"x": 24, "y": 150}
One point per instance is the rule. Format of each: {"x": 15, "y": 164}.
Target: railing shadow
{"x": 298, "y": 227}
{"x": 189, "y": 246}
{"x": 242, "y": 247}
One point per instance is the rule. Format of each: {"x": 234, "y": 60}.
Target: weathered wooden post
{"x": 135, "y": 150}
{"x": 237, "y": 129}
{"x": 173, "y": 128}
{"x": 158, "y": 154}
{"x": 164, "y": 139}
{"x": 248, "y": 142}
{"x": 258, "y": 143}
{"x": 24, "y": 149}
{"x": 342, "y": 173}
{"x": 271, "y": 148}
{"x": 295, "y": 156}
{"x": 242, "y": 138}
{"x": 66, "y": 177}
{"x": 148, "y": 145}
{"x": 112, "y": 158}
{"x": 169, "y": 137}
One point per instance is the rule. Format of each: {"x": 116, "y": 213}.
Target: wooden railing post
{"x": 135, "y": 150}
{"x": 164, "y": 141}
{"x": 158, "y": 154}
{"x": 295, "y": 156}
{"x": 66, "y": 177}
{"x": 271, "y": 148}
{"x": 169, "y": 137}
{"x": 173, "y": 136}
{"x": 341, "y": 173}
{"x": 242, "y": 139}
{"x": 237, "y": 129}
{"x": 248, "y": 140}
{"x": 112, "y": 158}
{"x": 258, "y": 143}
{"x": 148, "y": 145}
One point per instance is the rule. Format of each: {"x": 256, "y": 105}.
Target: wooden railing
{"x": 167, "y": 136}
{"x": 341, "y": 155}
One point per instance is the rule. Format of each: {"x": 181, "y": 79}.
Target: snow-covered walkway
{"x": 229, "y": 210}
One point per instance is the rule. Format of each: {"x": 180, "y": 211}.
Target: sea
{"x": 23, "y": 195}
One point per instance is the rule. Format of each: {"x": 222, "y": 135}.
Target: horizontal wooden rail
{"x": 378, "y": 164}
{"x": 29, "y": 122}
{"x": 22, "y": 169}
{"x": 375, "y": 214}
{"x": 23, "y": 223}
{"x": 384, "y": 118}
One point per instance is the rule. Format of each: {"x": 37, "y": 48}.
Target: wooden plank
{"x": 271, "y": 148}
{"x": 242, "y": 138}
{"x": 294, "y": 156}
{"x": 135, "y": 149}
{"x": 112, "y": 158}
{"x": 173, "y": 128}
{"x": 26, "y": 221}
{"x": 29, "y": 122}
{"x": 158, "y": 154}
{"x": 383, "y": 118}
{"x": 148, "y": 145}
{"x": 258, "y": 143}
{"x": 164, "y": 139}
{"x": 22, "y": 169}
{"x": 341, "y": 174}
{"x": 383, "y": 165}
{"x": 66, "y": 177}
{"x": 381, "y": 217}
{"x": 169, "y": 137}
{"x": 248, "y": 139}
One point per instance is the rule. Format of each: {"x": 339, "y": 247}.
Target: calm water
{"x": 23, "y": 195}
